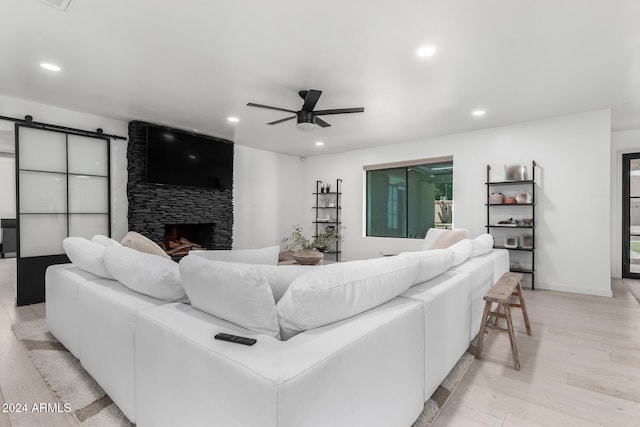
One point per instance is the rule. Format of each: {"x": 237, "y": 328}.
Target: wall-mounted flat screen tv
{"x": 176, "y": 157}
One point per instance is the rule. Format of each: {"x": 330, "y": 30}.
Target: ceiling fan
{"x": 307, "y": 118}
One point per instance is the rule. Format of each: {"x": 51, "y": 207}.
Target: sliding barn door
{"x": 62, "y": 189}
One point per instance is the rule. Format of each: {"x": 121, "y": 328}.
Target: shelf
{"x": 330, "y": 192}
{"x": 327, "y": 222}
{"x": 525, "y": 187}
{"x": 509, "y": 226}
{"x": 528, "y": 181}
{"x": 509, "y": 204}
{"x": 521, "y": 270}
{"x": 332, "y": 252}
{"x": 326, "y": 207}
{"x": 515, "y": 249}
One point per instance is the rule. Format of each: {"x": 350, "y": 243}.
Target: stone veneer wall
{"x": 151, "y": 206}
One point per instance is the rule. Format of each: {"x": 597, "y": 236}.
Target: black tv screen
{"x": 180, "y": 158}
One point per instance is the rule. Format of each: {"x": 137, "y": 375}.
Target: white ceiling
{"x": 192, "y": 63}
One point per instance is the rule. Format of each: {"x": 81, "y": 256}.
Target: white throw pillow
{"x": 461, "y": 251}
{"x": 432, "y": 263}
{"x": 86, "y": 255}
{"x": 280, "y": 277}
{"x": 141, "y": 243}
{"x": 104, "y": 240}
{"x": 145, "y": 273}
{"x": 338, "y": 291}
{"x": 268, "y": 256}
{"x": 482, "y": 244}
{"x": 236, "y": 292}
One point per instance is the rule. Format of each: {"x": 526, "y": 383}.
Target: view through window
{"x": 405, "y": 200}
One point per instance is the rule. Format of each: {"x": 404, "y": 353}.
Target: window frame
{"x": 397, "y": 165}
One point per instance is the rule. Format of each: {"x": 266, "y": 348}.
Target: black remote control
{"x": 235, "y": 338}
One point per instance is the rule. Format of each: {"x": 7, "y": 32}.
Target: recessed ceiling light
{"x": 233, "y": 119}
{"x": 478, "y": 113}
{"x": 50, "y": 67}
{"x": 425, "y": 51}
{"x": 319, "y": 143}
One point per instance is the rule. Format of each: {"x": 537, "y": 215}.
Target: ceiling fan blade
{"x": 251, "y": 104}
{"x": 281, "y": 120}
{"x": 311, "y": 99}
{"x": 321, "y": 122}
{"x": 339, "y": 111}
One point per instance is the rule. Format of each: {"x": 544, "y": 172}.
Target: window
{"x": 406, "y": 199}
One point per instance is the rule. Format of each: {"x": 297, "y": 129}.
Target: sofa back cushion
{"x": 236, "y": 292}
{"x": 86, "y": 255}
{"x": 268, "y": 256}
{"x": 141, "y": 243}
{"x": 431, "y": 263}
{"x": 439, "y": 238}
{"x": 280, "y": 277}
{"x": 462, "y": 251}
{"x": 104, "y": 240}
{"x": 481, "y": 244}
{"x": 147, "y": 274}
{"x": 338, "y": 291}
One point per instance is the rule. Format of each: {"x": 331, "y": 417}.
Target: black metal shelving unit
{"x": 334, "y": 212}
{"x": 528, "y": 185}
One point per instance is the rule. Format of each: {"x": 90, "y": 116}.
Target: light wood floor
{"x": 581, "y": 367}
{"x": 20, "y": 382}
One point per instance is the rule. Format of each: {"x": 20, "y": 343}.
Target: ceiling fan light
{"x": 305, "y": 126}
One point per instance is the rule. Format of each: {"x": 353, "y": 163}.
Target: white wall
{"x": 573, "y": 192}
{"x": 18, "y": 108}
{"x": 621, "y": 143}
{"x": 7, "y": 188}
{"x": 267, "y": 197}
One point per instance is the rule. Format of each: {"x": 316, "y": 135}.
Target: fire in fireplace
{"x": 179, "y": 239}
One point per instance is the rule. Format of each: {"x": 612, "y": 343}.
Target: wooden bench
{"x": 509, "y": 285}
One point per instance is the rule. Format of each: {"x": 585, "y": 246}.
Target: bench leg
{"x": 485, "y": 317}
{"x": 512, "y": 337}
{"x": 524, "y": 308}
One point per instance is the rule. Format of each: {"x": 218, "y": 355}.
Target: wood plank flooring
{"x": 581, "y": 366}
{"x": 20, "y": 382}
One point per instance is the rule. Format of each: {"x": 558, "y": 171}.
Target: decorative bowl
{"x": 308, "y": 257}
{"x": 523, "y": 198}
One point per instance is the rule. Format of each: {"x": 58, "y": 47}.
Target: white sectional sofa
{"x": 159, "y": 362}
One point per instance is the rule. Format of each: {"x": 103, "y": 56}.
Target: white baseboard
{"x": 574, "y": 290}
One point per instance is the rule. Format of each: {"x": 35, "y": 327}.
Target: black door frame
{"x": 626, "y": 215}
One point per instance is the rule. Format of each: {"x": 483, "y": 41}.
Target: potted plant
{"x": 306, "y": 251}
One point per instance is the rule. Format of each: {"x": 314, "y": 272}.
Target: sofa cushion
{"x": 141, "y": 243}
{"x": 440, "y": 238}
{"x": 86, "y": 255}
{"x": 267, "y": 256}
{"x": 145, "y": 273}
{"x": 104, "y": 240}
{"x": 236, "y": 292}
{"x": 342, "y": 290}
{"x": 462, "y": 251}
{"x": 431, "y": 263}
{"x": 280, "y": 277}
{"x": 482, "y": 244}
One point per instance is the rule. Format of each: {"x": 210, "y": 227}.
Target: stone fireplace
{"x": 202, "y": 234}
{"x": 154, "y": 206}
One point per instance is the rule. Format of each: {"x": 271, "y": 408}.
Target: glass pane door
{"x": 631, "y": 216}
